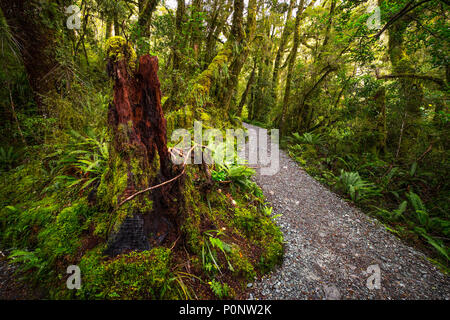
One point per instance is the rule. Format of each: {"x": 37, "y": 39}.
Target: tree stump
{"x": 139, "y": 156}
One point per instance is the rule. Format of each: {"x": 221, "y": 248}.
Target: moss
{"x": 241, "y": 264}
{"x": 272, "y": 255}
{"x": 200, "y": 91}
{"x": 64, "y": 235}
{"x": 264, "y": 234}
{"x": 204, "y": 116}
{"x": 247, "y": 220}
{"x": 137, "y": 275}
{"x": 118, "y": 49}
{"x": 191, "y": 225}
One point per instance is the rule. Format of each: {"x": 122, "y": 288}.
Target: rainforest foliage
{"x": 361, "y": 101}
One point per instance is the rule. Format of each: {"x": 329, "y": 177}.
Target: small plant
{"x": 29, "y": 261}
{"x": 82, "y": 162}
{"x": 209, "y": 256}
{"x": 218, "y": 175}
{"x": 394, "y": 215}
{"x": 353, "y": 185}
{"x": 238, "y": 174}
{"x": 419, "y": 208}
{"x": 220, "y": 290}
{"x": 8, "y": 157}
{"x": 308, "y": 138}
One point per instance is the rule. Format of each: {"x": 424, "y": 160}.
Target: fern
{"x": 308, "y": 138}
{"x": 8, "y": 157}
{"x": 356, "y": 187}
{"x": 419, "y": 208}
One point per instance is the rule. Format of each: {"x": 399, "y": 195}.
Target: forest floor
{"x": 329, "y": 245}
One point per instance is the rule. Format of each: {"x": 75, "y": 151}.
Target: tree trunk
{"x": 116, "y": 25}
{"x": 195, "y": 35}
{"x": 36, "y": 41}
{"x": 177, "y": 48}
{"x": 215, "y": 27}
{"x": 109, "y": 26}
{"x": 292, "y": 58}
{"x": 247, "y": 89}
{"x": 242, "y": 41}
{"x": 146, "y": 8}
{"x": 411, "y": 89}
{"x": 280, "y": 52}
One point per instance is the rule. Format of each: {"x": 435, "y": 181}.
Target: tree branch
{"x": 438, "y": 81}
{"x": 407, "y": 8}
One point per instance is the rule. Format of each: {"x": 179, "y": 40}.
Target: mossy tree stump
{"x": 139, "y": 156}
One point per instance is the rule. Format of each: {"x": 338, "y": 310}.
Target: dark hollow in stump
{"x": 140, "y": 144}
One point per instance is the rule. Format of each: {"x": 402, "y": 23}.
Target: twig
{"x": 173, "y": 245}
{"x": 401, "y": 135}
{"x": 424, "y": 154}
{"x": 161, "y": 184}
{"x": 15, "y": 115}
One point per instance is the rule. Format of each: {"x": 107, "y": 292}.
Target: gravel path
{"x": 330, "y": 245}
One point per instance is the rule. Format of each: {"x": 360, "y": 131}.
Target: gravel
{"x": 330, "y": 245}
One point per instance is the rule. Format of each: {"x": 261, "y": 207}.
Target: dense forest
{"x": 92, "y": 90}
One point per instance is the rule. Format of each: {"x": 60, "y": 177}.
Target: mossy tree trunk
{"x": 146, "y": 9}
{"x": 109, "y": 26}
{"x": 177, "y": 49}
{"x": 291, "y": 63}
{"x": 196, "y": 37}
{"x": 280, "y": 52}
{"x": 241, "y": 39}
{"x": 411, "y": 91}
{"x": 216, "y": 25}
{"x": 36, "y": 38}
{"x": 139, "y": 157}
{"x": 244, "y": 96}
